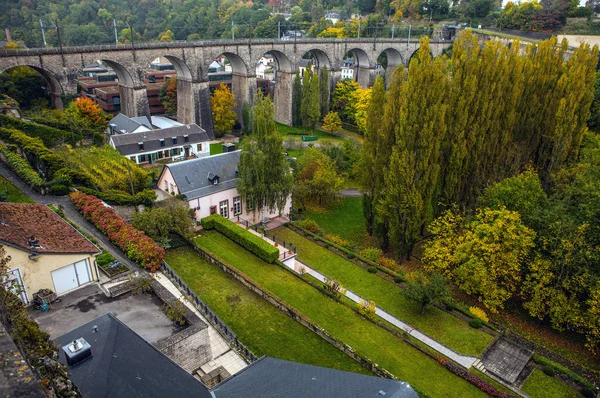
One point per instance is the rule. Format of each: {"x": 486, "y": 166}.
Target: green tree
{"x": 222, "y": 103}
{"x": 318, "y": 180}
{"x": 343, "y": 99}
{"x": 171, "y": 216}
{"x": 297, "y": 101}
{"x": 332, "y": 122}
{"x": 428, "y": 290}
{"x": 264, "y": 177}
{"x": 247, "y": 118}
{"x": 167, "y": 35}
{"x": 309, "y": 107}
{"x": 324, "y": 91}
{"x": 484, "y": 256}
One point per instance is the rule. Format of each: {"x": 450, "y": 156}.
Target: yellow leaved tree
{"x": 223, "y": 104}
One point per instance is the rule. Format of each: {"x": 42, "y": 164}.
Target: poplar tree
{"x": 415, "y": 161}
{"x": 297, "y": 101}
{"x": 306, "y": 77}
{"x": 264, "y": 177}
{"x": 324, "y": 91}
{"x": 313, "y": 109}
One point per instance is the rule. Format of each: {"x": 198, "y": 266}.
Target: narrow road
{"x": 350, "y": 193}
{"x": 70, "y": 212}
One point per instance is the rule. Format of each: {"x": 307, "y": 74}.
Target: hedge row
{"x": 23, "y": 169}
{"x": 247, "y": 239}
{"x": 49, "y": 135}
{"x": 34, "y": 148}
{"x": 562, "y": 370}
{"x": 121, "y": 198}
{"x": 136, "y": 245}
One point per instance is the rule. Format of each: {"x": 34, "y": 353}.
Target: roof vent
{"x": 187, "y": 126}
{"x": 77, "y": 351}
{"x": 381, "y": 392}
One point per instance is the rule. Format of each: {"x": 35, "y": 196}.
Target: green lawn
{"x": 258, "y": 324}
{"x": 436, "y": 323}
{"x": 13, "y": 194}
{"x": 401, "y": 359}
{"x": 216, "y": 149}
{"x": 344, "y": 220}
{"x": 296, "y": 133}
{"x": 540, "y": 385}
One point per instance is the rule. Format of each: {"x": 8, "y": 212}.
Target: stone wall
{"x": 189, "y": 348}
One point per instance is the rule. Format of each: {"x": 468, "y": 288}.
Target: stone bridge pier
{"x": 283, "y": 97}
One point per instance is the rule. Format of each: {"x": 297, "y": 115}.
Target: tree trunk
{"x": 423, "y": 308}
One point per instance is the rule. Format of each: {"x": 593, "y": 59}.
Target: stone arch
{"x": 282, "y": 89}
{"x": 53, "y": 82}
{"x": 363, "y": 73}
{"x": 413, "y": 55}
{"x": 124, "y": 76}
{"x": 132, "y": 91}
{"x": 182, "y": 69}
{"x": 361, "y": 57}
{"x": 321, "y": 56}
{"x": 394, "y": 59}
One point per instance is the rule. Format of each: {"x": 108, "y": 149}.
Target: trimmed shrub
{"x": 350, "y": 255}
{"x": 366, "y": 308}
{"x": 372, "y": 254}
{"x": 104, "y": 259}
{"x": 564, "y": 371}
{"x": 372, "y": 270}
{"x": 59, "y": 190}
{"x": 549, "y": 371}
{"x": 23, "y": 169}
{"x": 49, "y": 135}
{"x": 244, "y": 238}
{"x": 476, "y": 323}
{"x": 398, "y": 279}
{"x": 309, "y": 225}
{"x": 479, "y": 313}
{"x": 121, "y": 198}
{"x": 338, "y": 241}
{"x": 136, "y": 245}
{"x": 471, "y": 378}
{"x": 389, "y": 263}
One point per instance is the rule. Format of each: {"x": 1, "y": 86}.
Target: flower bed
{"x": 136, "y": 245}
{"x": 242, "y": 237}
{"x": 476, "y": 381}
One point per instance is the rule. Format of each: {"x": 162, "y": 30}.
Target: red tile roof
{"x": 20, "y": 222}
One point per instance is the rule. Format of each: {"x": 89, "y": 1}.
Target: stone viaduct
{"x": 61, "y": 67}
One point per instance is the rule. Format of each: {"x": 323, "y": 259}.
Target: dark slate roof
{"x": 274, "y": 378}
{"x": 125, "y": 365}
{"x": 192, "y": 176}
{"x": 125, "y": 123}
{"x": 128, "y": 144}
{"x": 19, "y": 222}
{"x": 143, "y": 120}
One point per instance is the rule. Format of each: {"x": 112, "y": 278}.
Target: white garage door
{"x": 72, "y": 276}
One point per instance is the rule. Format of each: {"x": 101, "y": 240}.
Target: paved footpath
{"x": 463, "y": 360}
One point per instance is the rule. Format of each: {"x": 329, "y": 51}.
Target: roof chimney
{"x": 77, "y": 351}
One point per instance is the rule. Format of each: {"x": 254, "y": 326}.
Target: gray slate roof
{"x": 125, "y": 123}
{"x": 143, "y": 120}
{"x": 275, "y": 378}
{"x": 128, "y": 144}
{"x": 191, "y": 176}
{"x": 125, "y": 365}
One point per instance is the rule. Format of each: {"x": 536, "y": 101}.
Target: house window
{"x": 186, "y": 138}
{"x": 213, "y": 210}
{"x": 224, "y": 208}
{"x": 199, "y": 148}
{"x": 141, "y": 146}
{"x": 174, "y": 140}
{"x": 172, "y": 188}
{"x": 237, "y": 205}
{"x": 162, "y": 142}
{"x": 166, "y": 185}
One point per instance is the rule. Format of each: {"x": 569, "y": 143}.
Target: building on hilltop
{"x": 46, "y": 252}
{"x": 209, "y": 185}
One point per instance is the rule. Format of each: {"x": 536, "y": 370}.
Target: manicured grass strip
{"x": 436, "y": 323}
{"x": 259, "y": 325}
{"x": 368, "y": 339}
{"x": 295, "y": 133}
{"x": 13, "y": 194}
{"x": 540, "y": 385}
{"x": 345, "y": 220}
{"x": 216, "y": 149}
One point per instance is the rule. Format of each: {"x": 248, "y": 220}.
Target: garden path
{"x": 463, "y": 360}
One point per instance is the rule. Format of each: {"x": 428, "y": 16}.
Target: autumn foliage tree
{"x": 332, "y": 122}
{"x": 86, "y": 114}
{"x": 168, "y": 96}
{"x": 223, "y": 105}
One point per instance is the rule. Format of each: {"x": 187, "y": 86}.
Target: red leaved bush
{"x": 476, "y": 381}
{"x": 138, "y": 247}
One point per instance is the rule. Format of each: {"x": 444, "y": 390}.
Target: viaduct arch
{"x": 191, "y": 60}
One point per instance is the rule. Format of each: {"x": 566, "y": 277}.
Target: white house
{"x": 348, "y": 69}
{"x": 264, "y": 64}
{"x": 209, "y": 184}
{"x": 174, "y": 143}
{"x": 334, "y": 17}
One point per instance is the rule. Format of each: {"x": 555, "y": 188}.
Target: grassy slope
{"x": 259, "y": 325}
{"x": 438, "y": 324}
{"x": 540, "y": 385}
{"x": 344, "y": 220}
{"x": 13, "y": 193}
{"x": 295, "y": 133}
{"x": 396, "y": 356}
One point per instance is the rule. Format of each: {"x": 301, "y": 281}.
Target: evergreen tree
{"x": 247, "y": 118}
{"x": 297, "y": 101}
{"x": 324, "y": 91}
{"x": 306, "y": 77}
{"x": 264, "y": 177}
{"x": 313, "y": 109}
